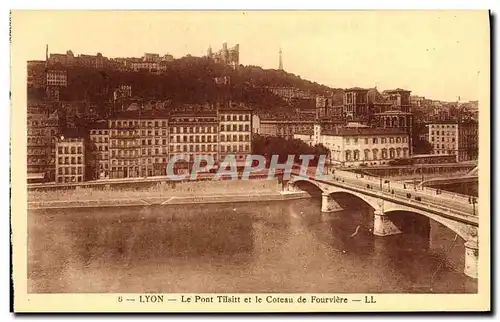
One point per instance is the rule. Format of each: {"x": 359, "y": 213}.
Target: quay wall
{"x": 162, "y": 193}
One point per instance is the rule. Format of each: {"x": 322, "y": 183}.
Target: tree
{"x": 422, "y": 147}
{"x": 268, "y": 146}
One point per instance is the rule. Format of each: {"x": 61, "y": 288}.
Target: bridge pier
{"x": 383, "y": 226}
{"x": 471, "y": 258}
{"x": 328, "y": 204}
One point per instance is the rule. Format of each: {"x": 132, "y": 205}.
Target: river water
{"x": 285, "y": 246}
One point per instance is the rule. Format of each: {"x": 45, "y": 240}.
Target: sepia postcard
{"x": 256, "y": 161}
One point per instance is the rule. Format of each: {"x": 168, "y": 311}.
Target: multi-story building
{"x": 36, "y": 74}
{"x": 417, "y": 101}
{"x": 191, "y": 134}
{"x": 235, "y": 132}
{"x": 67, "y": 59}
{"x": 150, "y": 66}
{"x": 289, "y": 93}
{"x": 286, "y": 127}
{"x": 70, "y": 160}
{"x": 458, "y": 138}
{"x": 151, "y": 57}
{"x": 355, "y": 146}
{"x": 57, "y": 78}
{"x": 138, "y": 144}
{"x": 154, "y": 136}
{"x": 99, "y": 154}
{"x": 124, "y": 146}
{"x": 90, "y": 61}
{"x": 42, "y": 131}
{"x": 356, "y": 104}
{"x": 392, "y": 109}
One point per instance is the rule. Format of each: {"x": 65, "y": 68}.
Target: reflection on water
{"x": 241, "y": 247}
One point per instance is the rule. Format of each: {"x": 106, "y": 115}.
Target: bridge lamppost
{"x": 473, "y": 200}
{"x": 422, "y": 174}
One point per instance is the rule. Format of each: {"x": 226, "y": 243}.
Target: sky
{"x": 437, "y": 54}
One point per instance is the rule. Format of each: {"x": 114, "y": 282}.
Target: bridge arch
{"x": 332, "y": 191}
{"x": 459, "y": 228}
{"x": 309, "y": 186}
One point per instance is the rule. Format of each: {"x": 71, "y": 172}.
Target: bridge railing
{"x": 462, "y": 212}
{"x": 438, "y": 197}
{"x": 431, "y": 192}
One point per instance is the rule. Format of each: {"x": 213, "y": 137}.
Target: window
{"x": 347, "y": 142}
{"x": 366, "y": 142}
{"x": 375, "y": 140}
{"x": 60, "y": 150}
{"x": 79, "y": 150}
{"x": 60, "y": 160}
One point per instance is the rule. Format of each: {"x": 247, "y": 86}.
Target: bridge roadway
{"x": 451, "y": 209}
{"x": 447, "y": 204}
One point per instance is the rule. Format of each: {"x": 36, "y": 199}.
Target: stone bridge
{"x": 457, "y": 214}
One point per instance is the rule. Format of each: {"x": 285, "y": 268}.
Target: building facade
{"x": 457, "y": 138}
{"x": 99, "y": 138}
{"x": 70, "y": 160}
{"x": 359, "y": 146}
{"x": 393, "y": 110}
{"x": 229, "y": 56}
{"x": 138, "y": 145}
{"x": 288, "y": 127}
{"x": 289, "y": 93}
{"x": 57, "y": 78}
{"x": 42, "y": 131}
{"x": 235, "y": 132}
{"x": 356, "y": 104}
{"x": 193, "y": 134}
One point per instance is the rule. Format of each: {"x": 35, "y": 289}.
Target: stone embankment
{"x": 172, "y": 193}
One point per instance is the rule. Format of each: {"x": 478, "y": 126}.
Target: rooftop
{"x": 357, "y": 89}
{"x": 345, "y": 131}
{"x": 394, "y": 112}
{"x": 397, "y": 90}
{"x": 137, "y": 114}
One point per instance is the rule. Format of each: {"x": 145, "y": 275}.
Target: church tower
{"x": 281, "y": 61}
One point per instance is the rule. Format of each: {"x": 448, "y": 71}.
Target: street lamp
{"x": 473, "y": 200}
{"x": 422, "y": 174}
